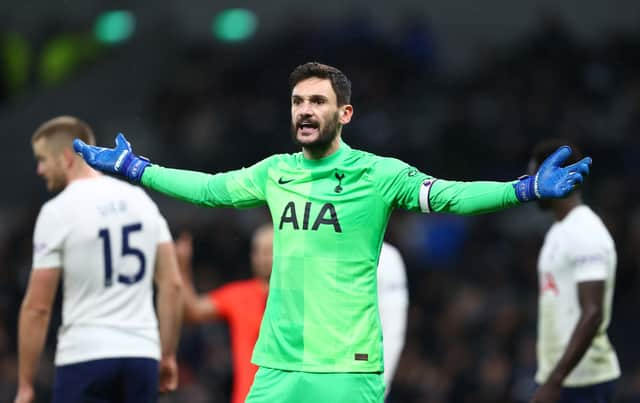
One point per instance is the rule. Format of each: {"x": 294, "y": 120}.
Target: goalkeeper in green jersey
{"x": 320, "y": 339}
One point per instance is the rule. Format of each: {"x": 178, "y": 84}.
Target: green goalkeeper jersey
{"x": 329, "y": 219}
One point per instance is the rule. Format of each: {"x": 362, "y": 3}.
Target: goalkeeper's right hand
{"x": 119, "y": 160}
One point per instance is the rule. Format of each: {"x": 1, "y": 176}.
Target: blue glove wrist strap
{"x": 525, "y": 188}
{"x": 133, "y": 166}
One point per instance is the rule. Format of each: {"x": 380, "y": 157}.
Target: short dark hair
{"x": 339, "y": 82}
{"x": 545, "y": 148}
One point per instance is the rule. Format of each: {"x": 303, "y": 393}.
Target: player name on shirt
{"x": 112, "y": 207}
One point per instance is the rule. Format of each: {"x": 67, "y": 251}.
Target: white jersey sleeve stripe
{"x": 425, "y": 190}
{"x": 48, "y": 239}
{"x": 593, "y": 271}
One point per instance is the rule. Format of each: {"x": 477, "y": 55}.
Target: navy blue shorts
{"x": 112, "y": 380}
{"x": 598, "y": 393}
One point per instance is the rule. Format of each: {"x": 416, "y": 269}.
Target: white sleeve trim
{"x": 163, "y": 230}
{"x": 425, "y": 190}
{"x": 590, "y": 272}
{"x": 48, "y": 239}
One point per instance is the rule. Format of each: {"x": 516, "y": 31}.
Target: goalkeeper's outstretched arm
{"x": 551, "y": 181}
{"x": 190, "y": 186}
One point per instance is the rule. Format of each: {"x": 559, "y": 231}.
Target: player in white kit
{"x": 393, "y": 303}
{"x": 576, "y": 268}
{"x": 108, "y": 243}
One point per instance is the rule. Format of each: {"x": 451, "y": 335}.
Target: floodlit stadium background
{"x": 460, "y": 90}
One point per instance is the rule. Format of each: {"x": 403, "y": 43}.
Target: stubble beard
{"x": 325, "y": 137}
{"x": 56, "y": 182}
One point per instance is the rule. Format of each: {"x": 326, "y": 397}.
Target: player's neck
{"x": 562, "y": 207}
{"x": 315, "y": 153}
{"x": 82, "y": 172}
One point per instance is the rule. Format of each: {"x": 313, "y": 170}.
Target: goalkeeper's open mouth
{"x": 307, "y": 127}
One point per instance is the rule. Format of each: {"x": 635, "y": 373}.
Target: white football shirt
{"x": 576, "y": 249}
{"x": 103, "y": 234}
{"x": 393, "y": 302}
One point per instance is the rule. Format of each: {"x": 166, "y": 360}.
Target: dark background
{"x": 458, "y": 89}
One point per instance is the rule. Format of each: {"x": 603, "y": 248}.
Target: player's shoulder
{"x": 389, "y": 249}
{"x": 375, "y": 162}
{"x": 582, "y": 223}
{"x": 582, "y": 218}
{"x": 111, "y": 182}
{"x": 275, "y": 160}
{"x": 64, "y": 200}
{"x": 390, "y": 255}
{"x": 358, "y": 154}
{"x": 86, "y": 186}
{"x": 282, "y": 157}
{"x": 126, "y": 189}
{"x": 105, "y": 188}
{"x": 391, "y": 268}
{"x": 51, "y": 207}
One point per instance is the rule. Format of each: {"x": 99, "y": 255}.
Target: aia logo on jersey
{"x": 548, "y": 283}
{"x": 326, "y": 215}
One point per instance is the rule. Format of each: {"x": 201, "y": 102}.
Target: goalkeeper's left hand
{"x": 119, "y": 160}
{"x": 552, "y": 181}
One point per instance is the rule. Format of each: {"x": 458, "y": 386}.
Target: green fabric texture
{"x": 329, "y": 216}
{"x": 273, "y": 385}
{"x": 470, "y": 198}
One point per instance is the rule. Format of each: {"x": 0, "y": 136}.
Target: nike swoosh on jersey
{"x": 284, "y": 181}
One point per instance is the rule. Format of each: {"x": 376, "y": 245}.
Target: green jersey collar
{"x": 341, "y": 152}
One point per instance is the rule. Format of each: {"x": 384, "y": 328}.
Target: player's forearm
{"x": 190, "y": 186}
{"x": 195, "y": 306}
{"x": 580, "y": 340}
{"x": 169, "y": 316}
{"x": 197, "y": 309}
{"x": 468, "y": 198}
{"x": 32, "y": 332}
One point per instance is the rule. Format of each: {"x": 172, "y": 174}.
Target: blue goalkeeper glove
{"x": 119, "y": 160}
{"x": 552, "y": 181}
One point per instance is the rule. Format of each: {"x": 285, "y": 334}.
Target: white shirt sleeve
{"x": 393, "y": 303}
{"x": 48, "y": 239}
{"x": 590, "y": 268}
{"x": 164, "y": 234}
{"x": 587, "y": 258}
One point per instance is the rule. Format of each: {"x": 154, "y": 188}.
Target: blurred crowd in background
{"x": 473, "y": 281}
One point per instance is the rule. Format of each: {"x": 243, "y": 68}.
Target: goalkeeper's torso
{"x": 329, "y": 220}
